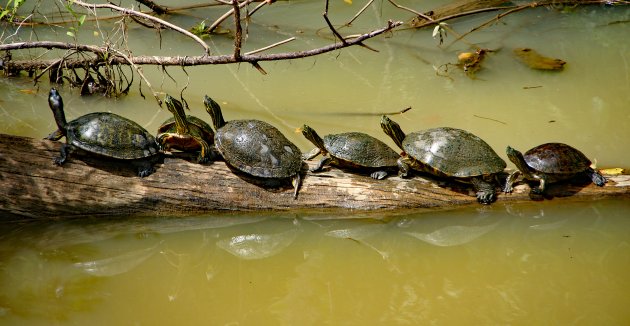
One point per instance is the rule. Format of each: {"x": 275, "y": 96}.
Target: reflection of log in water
{"x": 33, "y": 187}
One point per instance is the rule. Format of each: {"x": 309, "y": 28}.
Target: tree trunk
{"x": 32, "y": 187}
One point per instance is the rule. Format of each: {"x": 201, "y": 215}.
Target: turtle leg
{"x": 161, "y": 141}
{"x": 510, "y": 181}
{"x": 379, "y": 175}
{"x": 314, "y": 152}
{"x": 55, "y": 135}
{"x": 323, "y": 162}
{"x": 597, "y": 178}
{"x": 541, "y": 187}
{"x": 145, "y": 168}
{"x": 484, "y": 189}
{"x": 63, "y": 155}
{"x": 205, "y": 153}
{"x": 296, "y": 181}
{"x": 403, "y": 167}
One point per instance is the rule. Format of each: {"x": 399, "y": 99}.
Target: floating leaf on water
{"x": 536, "y": 61}
{"x": 453, "y": 235}
{"x": 258, "y": 246}
{"x": 118, "y": 264}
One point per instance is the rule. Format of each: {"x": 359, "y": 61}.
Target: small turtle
{"x": 185, "y": 133}
{"x": 352, "y": 150}
{"x": 448, "y": 152}
{"x": 255, "y": 147}
{"x": 550, "y": 163}
{"x": 105, "y": 134}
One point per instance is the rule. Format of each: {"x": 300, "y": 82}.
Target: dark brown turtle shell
{"x": 556, "y": 158}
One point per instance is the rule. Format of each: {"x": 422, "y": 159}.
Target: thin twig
{"x": 217, "y": 22}
{"x": 495, "y": 120}
{"x": 145, "y": 16}
{"x": 139, "y": 71}
{"x": 331, "y": 26}
{"x": 238, "y": 35}
{"x": 410, "y": 10}
{"x": 160, "y": 10}
{"x": 359, "y": 13}
{"x": 270, "y": 46}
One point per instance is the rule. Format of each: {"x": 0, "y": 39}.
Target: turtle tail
{"x": 56, "y": 105}
{"x": 313, "y": 137}
{"x": 214, "y": 110}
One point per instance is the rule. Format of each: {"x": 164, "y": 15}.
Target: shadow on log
{"x": 32, "y": 187}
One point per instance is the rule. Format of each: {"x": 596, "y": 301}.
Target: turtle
{"x": 255, "y": 147}
{"x": 448, "y": 152}
{"x": 548, "y": 163}
{"x": 185, "y": 133}
{"x": 354, "y": 150}
{"x": 103, "y": 134}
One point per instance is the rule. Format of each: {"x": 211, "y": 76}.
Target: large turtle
{"x": 105, "y": 134}
{"x": 448, "y": 152}
{"x": 355, "y": 150}
{"x": 255, "y": 147}
{"x": 550, "y": 163}
{"x": 185, "y": 133}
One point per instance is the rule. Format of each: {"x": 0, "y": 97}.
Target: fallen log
{"x": 32, "y": 187}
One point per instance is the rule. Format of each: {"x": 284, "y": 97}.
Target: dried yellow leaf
{"x": 611, "y": 171}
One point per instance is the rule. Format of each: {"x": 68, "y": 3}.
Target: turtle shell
{"x": 169, "y": 126}
{"x": 556, "y": 158}
{"x": 453, "y": 152}
{"x": 111, "y": 135}
{"x": 258, "y": 148}
{"x": 361, "y": 149}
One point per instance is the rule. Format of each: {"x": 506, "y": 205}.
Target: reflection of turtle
{"x": 352, "y": 150}
{"x": 105, "y": 134}
{"x": 255, "y": 147}
{"x": 185, "y": 133}
{"x": 448, "y": 152}
{"x": 549, "y": 163}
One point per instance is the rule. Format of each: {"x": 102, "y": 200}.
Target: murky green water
{"x": 525, "y": 265}
{"x": 540, "y": 263}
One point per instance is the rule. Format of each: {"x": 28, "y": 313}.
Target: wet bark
{"x": 32, "y": 187}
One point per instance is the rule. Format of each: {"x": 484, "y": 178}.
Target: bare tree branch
{"x": 238, "y": 34}
{"x": 331, "y": 26}
{"x": 160, "y": 10}
{"x": 115, "y": 59}
{"x": 145, "y": 16}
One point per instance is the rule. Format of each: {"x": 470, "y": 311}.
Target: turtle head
{"x": 517, "y": 158}
{"x": 313, "y": 137}
{"x": 177, "y": 109}
{"x": 393, "y": 130}
{"x": 214, "y": 110}
{"x": 56, "y": 105}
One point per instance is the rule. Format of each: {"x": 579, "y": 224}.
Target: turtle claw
{"x": 485, "y": 198}
{"x": 378, "y": 175}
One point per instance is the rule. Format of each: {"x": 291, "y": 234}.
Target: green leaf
{"x": 81, "y": 20}
{"x": 69, "y": 33}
